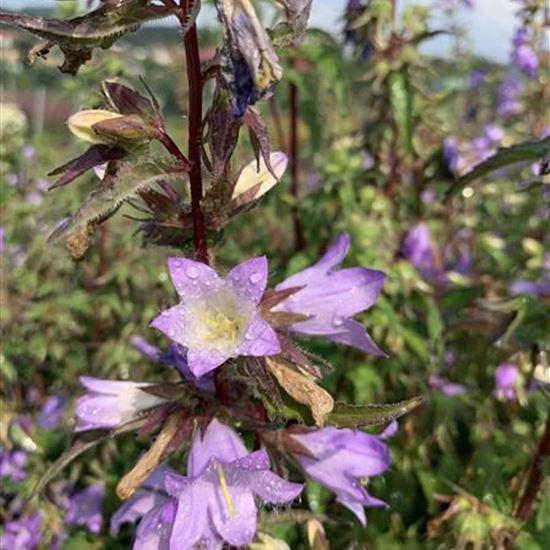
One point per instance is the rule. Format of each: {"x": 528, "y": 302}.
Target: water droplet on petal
{"x": 255, "y": 277}
{"x": 192, "y": 272}
{"x": 337, "y": 320}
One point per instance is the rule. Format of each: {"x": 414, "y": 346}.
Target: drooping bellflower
{"x": 215, "y": 503}
{"x": 523, "y": 55}
{"x": 217, "y": 318}
{"x": 12, "y": 464}
{"x": 337, "y": 458}
{"x": 331, "y": 297}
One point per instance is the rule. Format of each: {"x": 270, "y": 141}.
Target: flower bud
{"x": 253, "y": 183}
{"x": 80, "y": 124}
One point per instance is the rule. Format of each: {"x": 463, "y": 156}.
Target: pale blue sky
{"x": 489, "y": 26}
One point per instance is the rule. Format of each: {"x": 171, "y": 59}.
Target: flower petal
{"x": 172, "y": 322}
{"x": 249, "y": 279}
{"x": 219, "y": 442}
{"x": 154, "y": 530}
{"x": 190, "y": 520}
{"x": 272, "y": 488}
{"x": 260, "y": 339}
{"x": 355, "y": 507}
{"x": 108, "y": 387}
{"x": 191, "y": 278}
{"x": 353, "y": 334}
{"x": 203, "y": 361}
{"x": 235, "y": 524}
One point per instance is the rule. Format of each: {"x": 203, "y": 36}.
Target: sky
{"x": 489, "y": 26}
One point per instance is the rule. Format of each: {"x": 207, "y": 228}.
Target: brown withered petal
{"x": 301, "y": 387}
{"x": 152, "y": 458}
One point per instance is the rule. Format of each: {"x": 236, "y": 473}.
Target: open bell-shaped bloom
{"x": 337, "y": 457}
{"x": 111, "y": 403}
{"x": 217, "y": 318}
{"x": 216, "y": 499}
{"x": 214, "y": 504}
{"x": 331, "y": 297}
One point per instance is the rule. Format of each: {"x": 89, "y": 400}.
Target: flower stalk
{"x": 195, "y": 82}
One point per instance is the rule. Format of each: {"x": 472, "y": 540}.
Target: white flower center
{"x": 217, "y": 320}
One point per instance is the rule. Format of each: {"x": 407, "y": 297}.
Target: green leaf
{"x": 354, "y": 416}
{"x": 114, "y": 190}
{"x": 527, "y": 151}
{"x": 77, "y": 37}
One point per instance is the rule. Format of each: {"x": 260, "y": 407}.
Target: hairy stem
{"x": 195, "y": 82}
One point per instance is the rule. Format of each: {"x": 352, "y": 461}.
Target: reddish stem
{"x": 294, "y": 166}
{"x": 195, "y": 81}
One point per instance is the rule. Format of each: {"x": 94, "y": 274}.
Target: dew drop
{"x": 337, "y": 320}
{"x": 192, "y": 272}
{"x": 255, "y": 277}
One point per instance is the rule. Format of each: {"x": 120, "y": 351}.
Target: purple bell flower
{"x": 22, "y": 534}
{"x": 506, "y": 382}
{"x": 84, "y": 508}
{"x": 12, "y": 464}
{"x": 111, "y": 403}
{"x": 336, "y": 458}
{"x": 214, "y": 504}
{"x": 332, "y": 297}
{"x": 52, "y": 412}
{"x": 217, "y": 318}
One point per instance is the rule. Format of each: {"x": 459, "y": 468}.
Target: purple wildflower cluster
{"x": 218, "y": 321}
{"x": 24, "y": 527}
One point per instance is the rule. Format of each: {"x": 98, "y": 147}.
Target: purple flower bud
{"x": 418, "y": 249}
{"x": 332, "y": 297}
{"x": 506, "y": 382}
{"x": 149, "y": 351}
{"x": 111, "y": 403}
{"x": 84, "y": 508}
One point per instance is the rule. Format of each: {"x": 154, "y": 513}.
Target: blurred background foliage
{"x": 383, "y": 132}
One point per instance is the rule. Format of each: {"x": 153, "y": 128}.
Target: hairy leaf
{"x": 527, "y": 151}
{"x": 94, "y": 156}
{"x": 103, "y": 202}
{"x": 77, "y": 37}
{"x": 356, "y": 416}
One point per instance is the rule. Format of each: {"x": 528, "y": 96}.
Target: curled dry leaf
{"x": 301, "y": 387}
{"x": 152, "y": 458}
{"x": 250, "y": 65}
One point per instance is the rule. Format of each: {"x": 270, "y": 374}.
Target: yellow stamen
{"x": 225, "y": 492}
